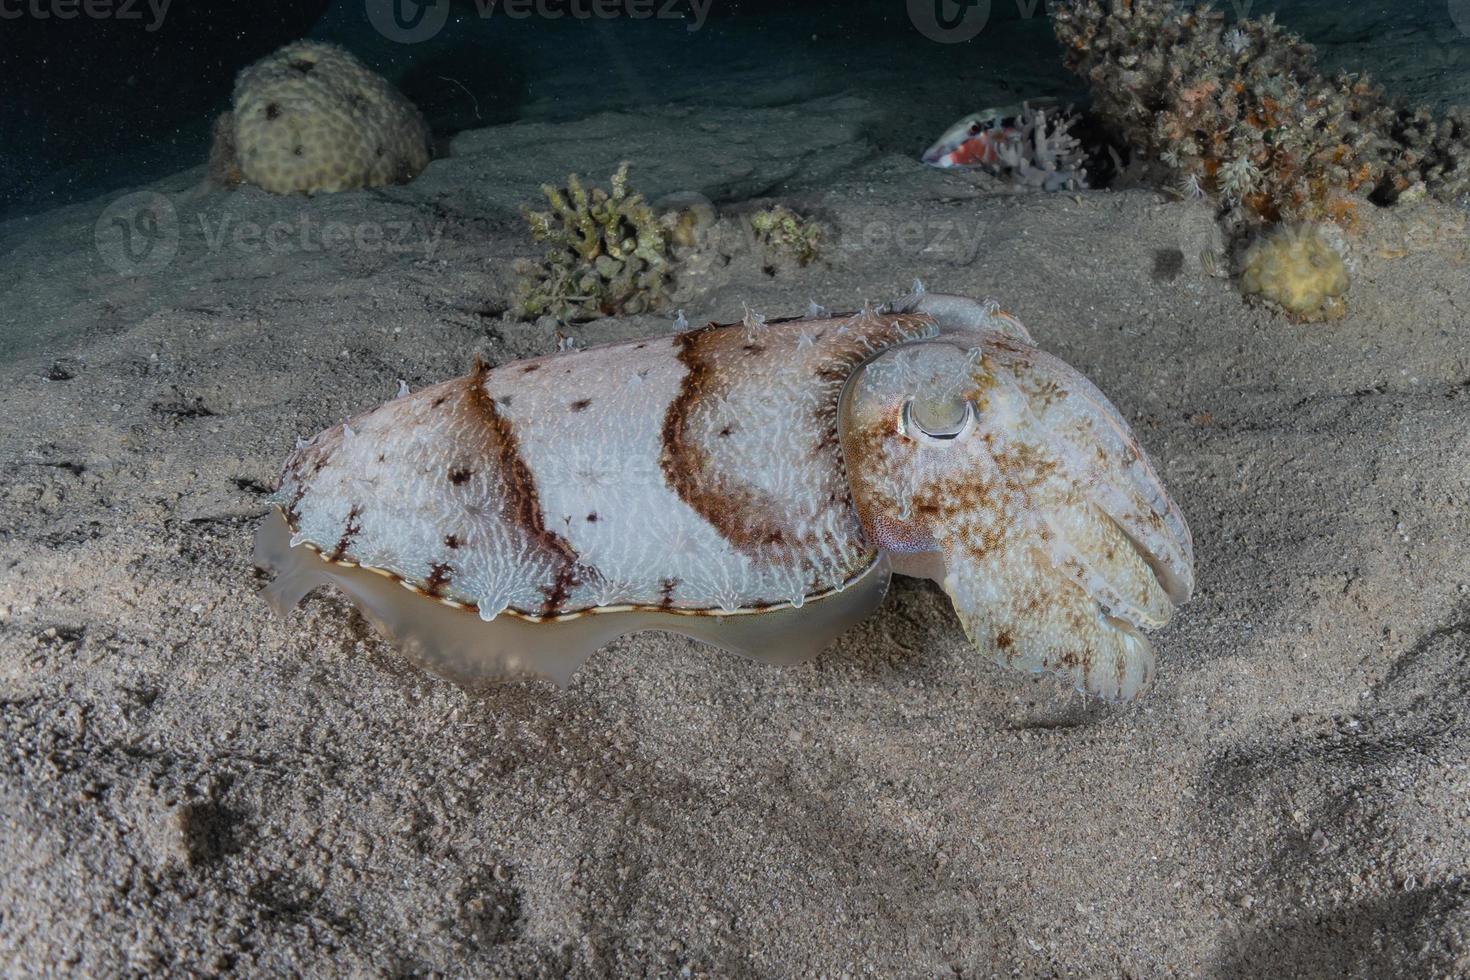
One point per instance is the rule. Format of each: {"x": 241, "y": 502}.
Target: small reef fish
{"x": 976, "y": 139}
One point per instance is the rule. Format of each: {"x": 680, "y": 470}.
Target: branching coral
{"x": 609, "y": 254}
{"x": 1042, "y": 152}
{"x": 787, "y": 234}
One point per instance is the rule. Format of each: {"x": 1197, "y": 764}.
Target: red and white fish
{"x": 975, "y": 140}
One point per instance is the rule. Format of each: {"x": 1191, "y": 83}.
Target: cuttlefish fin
{"x": 1017, "y": 609}
{"x": 961, "y": 314}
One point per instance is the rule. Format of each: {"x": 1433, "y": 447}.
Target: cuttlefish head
{"x": 998, "y": 470}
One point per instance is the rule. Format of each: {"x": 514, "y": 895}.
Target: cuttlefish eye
{"x": 975, "y": 127}
{"x": 936, "y": 422}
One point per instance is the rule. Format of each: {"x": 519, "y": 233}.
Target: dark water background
{"x": 100, "y": 95}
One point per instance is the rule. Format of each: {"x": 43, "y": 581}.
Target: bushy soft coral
{"x": 609, "y": 254}
{"x": 1434, "y": 156}
{"x": 1241, "y": 108}
{"x": 1244, "y": 109}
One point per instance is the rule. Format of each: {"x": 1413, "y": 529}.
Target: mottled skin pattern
{"x": 755, "y": 467}
{"x": 1056, "y": 539}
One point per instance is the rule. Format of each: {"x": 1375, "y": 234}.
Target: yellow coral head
{"x": 1297, "y": 270}
{"x": 981, "y": 461}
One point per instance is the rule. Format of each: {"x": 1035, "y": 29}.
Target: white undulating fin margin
{"x": 962, "y": 313}
{"x": 457, "y": 644}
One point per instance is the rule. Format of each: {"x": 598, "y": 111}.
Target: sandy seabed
{"x": 190, "y": 784}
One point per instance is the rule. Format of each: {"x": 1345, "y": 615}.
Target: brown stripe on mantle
{"x": 737, "y": 511}
{"x": 523, "y": 499}
{"x": 717, "y": 359}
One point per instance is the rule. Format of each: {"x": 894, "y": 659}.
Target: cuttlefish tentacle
{"x": 1097, "y": 555}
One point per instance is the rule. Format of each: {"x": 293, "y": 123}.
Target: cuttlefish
{"x": 753, "y": 485}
